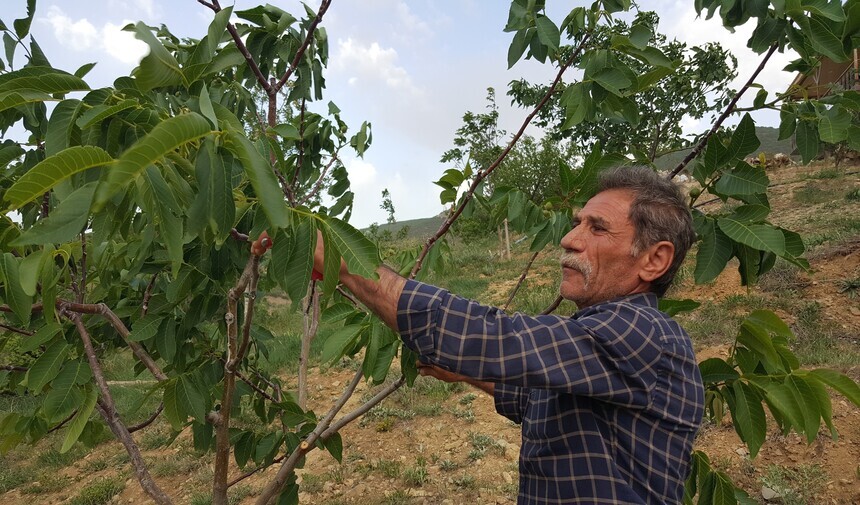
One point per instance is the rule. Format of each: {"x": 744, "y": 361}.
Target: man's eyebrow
{"x": 594, "y": 220}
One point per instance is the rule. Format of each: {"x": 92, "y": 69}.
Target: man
{"x": 609, "y": 399}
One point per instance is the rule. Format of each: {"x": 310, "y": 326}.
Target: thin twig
{"x": 14, "y": 368}
{"x": 240, "y": 44}
{"x": 83, "y": 287}
{"x": 147, "y": 295}
{"x": 520, "y": 282}
{"x": 252, "y": 472}
{"x": 63, "y": 422}
{"x": 553, "y": 306}
{"x": 318, "y": 185}
{"x": 237, "y": 235}
{"x": 301, "y": 155}
{"x": 360, "y": 411}
{"x": 729, "y": 109}
{"x": 481, "y": 175}
{"x": 46, "y": 204}
{"x": 148, "y": 421}
{"x": 301, "y": 52}
{"x": 19, "y": 331}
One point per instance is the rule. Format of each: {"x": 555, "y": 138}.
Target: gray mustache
{"x": 576, "y": 262}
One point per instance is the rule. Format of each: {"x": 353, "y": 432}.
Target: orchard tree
{"x": 148, "y": 215}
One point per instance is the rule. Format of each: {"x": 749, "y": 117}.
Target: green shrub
{"x": 98, "y": 492}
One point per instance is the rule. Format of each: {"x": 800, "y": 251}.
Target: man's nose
{"x": 572, "y": 241}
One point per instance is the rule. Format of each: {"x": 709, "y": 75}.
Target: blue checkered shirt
{"x": 609, "y": 399}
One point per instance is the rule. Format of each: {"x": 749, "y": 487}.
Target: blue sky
{"x": 410, "y": 68}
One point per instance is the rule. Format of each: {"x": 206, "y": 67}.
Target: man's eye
{"x": 574, "y": 223}
{"x": 598, "y": 228}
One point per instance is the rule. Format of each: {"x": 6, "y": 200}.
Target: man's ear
{"x": 656, "y": 260}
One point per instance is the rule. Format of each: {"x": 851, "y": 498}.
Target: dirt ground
{"x": 439, "y": 448}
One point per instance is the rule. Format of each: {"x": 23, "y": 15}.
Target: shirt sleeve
{"x": 611, "y": 352}
{"x": 510, "y": 401}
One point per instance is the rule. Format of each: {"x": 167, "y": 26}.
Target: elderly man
{"x": 610, "y": 398}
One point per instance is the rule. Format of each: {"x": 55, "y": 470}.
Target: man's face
{"x": 596, "y": 261}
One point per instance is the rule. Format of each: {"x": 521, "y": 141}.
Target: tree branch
{"x": 360, "y": 411}
{"x": 481, "y": 175}
{"x": 83, "y": 286}
{"x": 320, "y": 180}
{"x": 554, "y": 305}
{"x": 147, "y": 295}
{"x": 520, "y": 281}
{"x": 240, "y": 44}
{"x": 104, "y": 311}
{"x": 729, "y": 109}
{"x": 301, "y": 52}
{"x": 148, "y": 421}
{"x": 20, "y": 331}
{"x": 14, "y": 368}
{"x": 289, "y": 465}
{"x": 108, "y": 410}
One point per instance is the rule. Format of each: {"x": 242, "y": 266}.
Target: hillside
{"x": 769, "y": 145}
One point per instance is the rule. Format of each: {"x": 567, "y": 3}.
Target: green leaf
{"x": 807, "y": 140}
{"x": 22, "y": 26}
{"x": 769, "y": 321}
{"x": 715, "y": 250}
{"x": 287, "y": 131}
{"x": 334, "y": 445}
{"x": 787, "y": 123}
{"x": 612, "y": 79}
{"x": 47, "y": 366}
{"x": 174, "y": 409}
{"x": 145, "y": 328}
{"x": 331, "y": 267}
{"x": 518, "y": 46}
{"x": 840, "y": 382}
{"x": 755, "y": 339}
{"x": 164, "y": 138}
{"x": 101, "y": 112}
{"x": 808, "y": 403}
{"x": 206, "y": 107}
{"x": 715, "y": 370}
{"x": 763, "y": 237}
{"x": 42, "y": 79}
{"x": 16, "y": 298}
{"x": 338, "y": 342}
{"x": 577, "y": 104}
{"x": 674, "y": 307}
{"x": 43, "y": 335}
{"x": 357, "y": 250}
{"x": 66, "y": 395}
{"x": 30, "y": 269}
{"x": 744, "y": 140}
{"x": 825, "y": 408}
{"x": 64, "y": 223}
{"x": 77, "y": 424}
{"x": 297, "y": 270}
{"x": 750, "y": 213}
{"x": 59, "y": 167}
{"x": 186, "y": 391}
{"x": 824, "y": 38}
{"x": 262, "y": 179}
{"x": 159, "y": 68}
{"x": 60, "y": 126}
{"x": 748, "y": 417}
{"x": 548, "y": 33}
{"x": 834, "y": 123}
{"x": 780, "y": 399}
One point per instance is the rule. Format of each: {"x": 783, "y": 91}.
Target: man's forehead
{"x": 610, "y": 205}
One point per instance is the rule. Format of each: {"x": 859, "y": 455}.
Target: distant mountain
{"x": 418, "y": 228}
{"x": 769, "y": 145}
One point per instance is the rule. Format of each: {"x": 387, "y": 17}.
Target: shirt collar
{"x": 646, "y": 299}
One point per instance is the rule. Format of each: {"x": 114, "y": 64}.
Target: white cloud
{"x": 371, "y": 64}
{"x": 361, "y": 172}
{"x": 78, "y": 35}
{"x": 82, "y": 35}
{"x": 413, "y": 26}
{"x": 122, "y": 45}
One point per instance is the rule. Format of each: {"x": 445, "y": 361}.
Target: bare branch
{"x": 149, "y": 420}
{"x": 83, "y": 286}
{"x": 236, "y": 234}
{"x": 481, "y": 175}
{"x": 147, "y": 295}
{"x": 360, "y": 411}
{"x": 301, "y": 52}
{"x": 726, "y": 113}
{"x": 46, "y": 204}
{"x": 310, "y": 324}
{"x": 19, "y": 331}
{"x": 320, "y": 180}
{"x": 553, "y": 306}
{"x": 105, "y": 311}
{"x": 289, "y": 465}
{"x": 520, "y": 281}
{"x": 108, "y": 410}
{"x": 14, "y": 368}
{"x": 240, "y": 44}
{"x": 63, "y": 422}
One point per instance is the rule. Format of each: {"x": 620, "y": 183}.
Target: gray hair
{"x": 658, "y": 212}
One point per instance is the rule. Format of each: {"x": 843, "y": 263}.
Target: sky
{"x": 410, "y": 68}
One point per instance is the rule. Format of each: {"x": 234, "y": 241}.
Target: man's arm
{"x": 379, "y": 295}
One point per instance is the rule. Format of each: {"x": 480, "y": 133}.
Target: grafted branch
{"x": 521, "y": 280}
{"x": 481, "y": 175}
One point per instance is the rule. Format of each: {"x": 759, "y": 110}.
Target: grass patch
{"x": 798, "y": 485}
{"x": 821, "y": 342}
{"x": 853, "y": 195}
{"x": 12, "y": 476}
{"x": 98, "y": 492}
{"x": 812, "y": 194}
{"x": 52, "y": 458}
{"x": 710, "y": 324}
{"x": 49, "y": 482}
{"x": 416, "y": 475}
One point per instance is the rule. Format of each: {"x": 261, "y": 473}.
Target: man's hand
{"x": 428, "y": 370}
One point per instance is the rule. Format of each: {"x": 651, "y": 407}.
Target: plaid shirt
{"x": 609, "y": 399}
